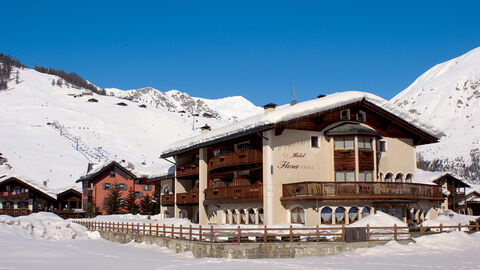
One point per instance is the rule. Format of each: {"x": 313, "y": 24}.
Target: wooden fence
{"x": 266, "y": 234}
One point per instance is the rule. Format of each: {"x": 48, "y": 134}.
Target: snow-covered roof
{"x": 284, "y": 113}
{"x": 31, "y": 183}
{"x": 429, "y": 177}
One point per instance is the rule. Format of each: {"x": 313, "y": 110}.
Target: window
{"x": 326, "y": 215}
{"x": 364, "y": 143}
{"x": 345, "y": 115}
{"x": 138, "y": 194}
{"x": 137, "y": 181}
{"x": 388, "y": 177}
{"x": 260, "y": 216}
{"x": 235, "y": 217}
{"x": 408, "y": 179}
{"x": 353, "y": 214}
{"x": 251, "y": 216}
{"x": 243, "y": 217}
{"x": 365, "y": 176}
{"x": 112, "y": 173}
{"x": 7, "y": 188}
{"x": 122, "y": 186}
{"x": 361, "y": 117}
{"x": 107, "y": 186}
{"x": 344, "y": 143}
{"x": 382, "y": 146}
{"x": 345, "y": 176}
{"x": 22, "y": 204}
{"x": 340, "y": 215}
{"x": 399, "y": 178}
{"x": 147, "y": 187}
{"x": 365, "y": 212}
{"x": 314, "y": 141}
{"x": 298, "y": 216}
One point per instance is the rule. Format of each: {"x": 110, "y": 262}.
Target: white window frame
{"x": 348, "y": 114}
{"x": 364, "y": 116}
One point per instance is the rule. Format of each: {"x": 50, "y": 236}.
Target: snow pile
{"x": 43, "y": 225}
{"x": 155, "y": 219}
{"x": 449, "y": 218}
{"x": 379, "y": 219}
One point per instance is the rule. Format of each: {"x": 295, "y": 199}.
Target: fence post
{"x": 318, "y": 233}
{"x": 395, "y": 232}
{"x": 122, "y": 227}
{"x": 459, "y": 227}
{"x": 181, "y": 231}
{"x": 422, "y": 231}
{"x": 368, "y": 232}
{"x": 291, "y": 233}
{"x": 143, "y": 228}
{"x": 476, "y": 226}
{"x": 173, "y": 231}
{"x": 343, "y": 232}
{"x": 265, "y": 233}
{"x": 163, "y": 232}
{"x": 211, "y": 234}
{"x": 156, "y": 229}
{"x": 190, "y": 231}
{"x": 200, "y": 233}
{"x": 441, "y": 227}
{"x": 238, "y": 234}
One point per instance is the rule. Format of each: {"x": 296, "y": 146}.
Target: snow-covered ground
{"x": 20, "y": 250}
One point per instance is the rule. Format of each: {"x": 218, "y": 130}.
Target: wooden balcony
{"x": 14, "y": 197}
{"x": 168, "y": 199}
{"x": 360, "y": 191}
{"x": 234, "y": 193}
{"x": 235, "y": 159}
{"x": 15, "y": 212}
{"x": 190, "y": 197}
{"x": 188, "y": 171}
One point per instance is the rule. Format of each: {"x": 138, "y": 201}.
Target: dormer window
{"x": 361, "y": 116}
{"x": 345, "y": 115}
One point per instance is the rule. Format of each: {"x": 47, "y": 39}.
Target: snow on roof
{"x": 428, "y": 177}
{"x": 34, "y": 184}
{"x": 285, "y": 113}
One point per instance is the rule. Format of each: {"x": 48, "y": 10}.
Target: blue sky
{"x": 257, "y": 49}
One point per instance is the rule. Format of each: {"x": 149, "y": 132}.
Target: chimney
{"x": 45, "y": 183}
{"x": 206, "y": 128}
{"x": 269, "y": 107}
{"x": 320, "y": 96}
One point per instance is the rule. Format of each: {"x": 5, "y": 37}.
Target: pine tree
{"x": 112, "y": 205}
{"x": 59, "y": 82}
{"x": 91, "y": 210}
{"x": 146, "y": 205}
{"x": 157, "y": 199}
{"x": 17, "y": 79}
{"x": 130, "y": 204}
{"x": 53, "y": 82}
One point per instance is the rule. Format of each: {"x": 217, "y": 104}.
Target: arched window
{"x": 166, "y": 190}
{"x": 166, "y": 214}
{"x": 243, "y": 217}
{"x": 227, "y": 217}
{"x": 260, "y": 216}
{"x": 251, "y": 216}
{"x": 409, "y": 178}
{"x": 235, "y": 217}
{"x": 340, "y": 215}
{"x": 326, "y": 215}
{"x": 353, "y": 214}
{"x": 298, "y": 215}
{"x": 399, "y": 178}
{"x": 388, "y": 177}
{"x": 365, "y": 212}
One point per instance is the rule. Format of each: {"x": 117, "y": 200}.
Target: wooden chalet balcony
{"x": 15, "y": 212}
{"x": 168, "y": 199}
{"x": 238, "y": 158}
{"x": 245, "y": 192}
{"x": 190, "y": 197}
{"x": 14, "y": 197}
{"x": 187, "y": 171}
{"x": 362, "y": 191}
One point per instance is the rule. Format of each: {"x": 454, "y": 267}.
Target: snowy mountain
{"x": 448, "y": 96}
{"x": 230, "y": 107}
{"x": 50, "y": 132}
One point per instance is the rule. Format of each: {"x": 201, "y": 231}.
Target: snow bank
{"x": 379, "y": 219}
{"x": 449, "y": 218}
{"x": 43, "y": 225}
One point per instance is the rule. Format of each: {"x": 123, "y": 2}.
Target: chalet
{"x": 94, "y": 100}
{"x": 471, "y": 203}
{"x": 20, "y": 197}
{"x": 208, "y": 115}
{"x": 332, "y": 160}
{"x": 122, "y": 104}
{"x": 142, "y": 106}
{"x": 98, "y": 183}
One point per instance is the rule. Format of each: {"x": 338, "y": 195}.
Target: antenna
{"x": 294, "y": 101}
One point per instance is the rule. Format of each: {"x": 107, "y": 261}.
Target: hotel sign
{"x": 294, "y": 161}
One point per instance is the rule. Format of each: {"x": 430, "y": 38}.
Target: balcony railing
{"x": 15, "y": 212}
{"x": 371, "y": 190}
{"x": 254, "y": 192}
{"x": 235, "y": 159}
{"x": 190, "y": 197}
{"x": 168, "y": 199}
{"x": 187, "y": 171}
{"x": 14, "y": 196}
